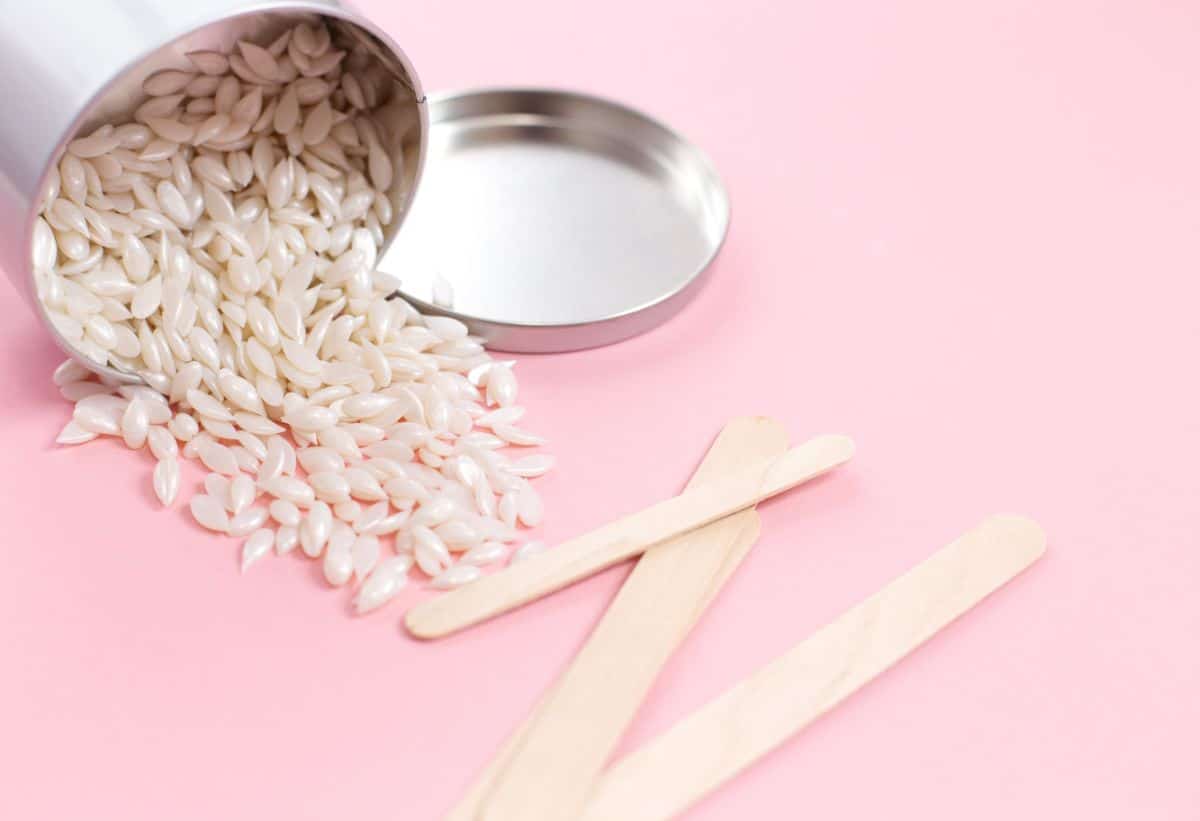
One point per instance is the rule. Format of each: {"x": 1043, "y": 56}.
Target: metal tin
{"x": 554, "y": 221}
{"x": 73, "y": 65}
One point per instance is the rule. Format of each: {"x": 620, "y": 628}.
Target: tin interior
{"x": 553, "y": 221}
{"x": 404, "y": 117}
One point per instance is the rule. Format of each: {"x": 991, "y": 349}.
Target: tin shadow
{"x": 28, "y": 359}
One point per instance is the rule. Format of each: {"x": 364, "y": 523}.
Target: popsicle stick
{"x": 713, "y": 744}
{"x": 625, "y": 538}
{"x": 668, "y": 590}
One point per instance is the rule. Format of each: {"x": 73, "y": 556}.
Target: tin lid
{"x": 553, "y": 221}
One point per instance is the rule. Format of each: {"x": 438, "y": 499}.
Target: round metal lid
{"x": 554, "y": 221}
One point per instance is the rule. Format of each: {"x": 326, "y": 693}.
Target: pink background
{"x": 965, "y": 233}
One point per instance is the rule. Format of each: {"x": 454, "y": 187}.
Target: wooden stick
{"x": 662, "y": 598}
{"x": 719, "y": 740}
{"x": 625, "y": 538}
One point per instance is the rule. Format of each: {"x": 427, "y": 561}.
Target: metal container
{"x": 68, "y": 66}
{"x": 553, "y": 221}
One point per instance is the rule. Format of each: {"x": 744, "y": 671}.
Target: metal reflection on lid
{"x": 552, "y": 221}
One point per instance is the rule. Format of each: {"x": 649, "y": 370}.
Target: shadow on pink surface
{"x": 29, "y": 356}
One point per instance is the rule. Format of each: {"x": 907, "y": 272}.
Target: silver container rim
{"x": 347, "y": 15}
{"x": 440, "y": 99}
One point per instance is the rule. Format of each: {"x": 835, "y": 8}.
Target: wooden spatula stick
{"x": 709, "y": 747}
{"x": 536, "y": 775}
{"x": 625, "y": 538}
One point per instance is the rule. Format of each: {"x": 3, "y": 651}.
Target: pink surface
{"x": 965, "y": 233}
